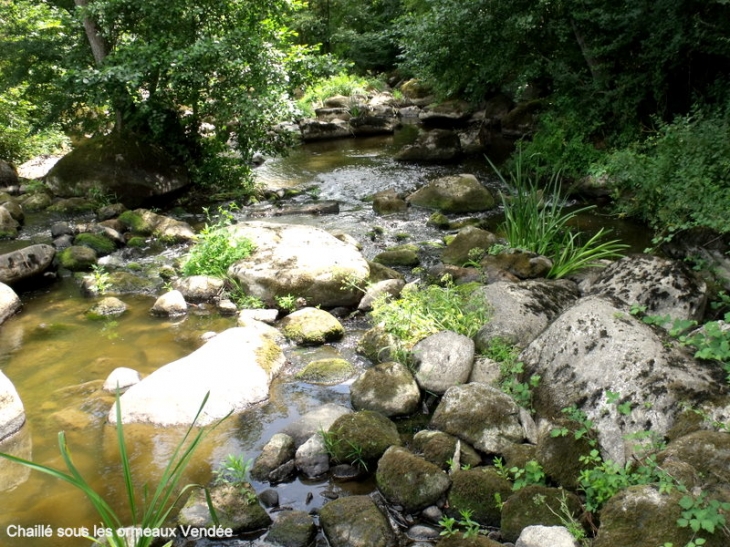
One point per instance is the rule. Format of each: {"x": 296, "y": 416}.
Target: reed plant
{"x": 155, "y": 509}
{"x": 536, "y": 220}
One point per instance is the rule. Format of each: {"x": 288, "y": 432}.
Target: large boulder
{"x": 300, "y": 261}
{"x": 522, "y": 310}
{"x": 12, "y": 413}
{"x": 9, "y": 302}
{"x": 118, "y": 165}
{"x": 25, "y": 263}
{"x": 235, "y": 367}
{"x": 8, "y": 175}
{"x": 594, "y": 348}
{"x": 663, "y": 286}
{"x": 443, "y": 360}
{"x": 8, "y": 225}
{"x": 454, "y": 194}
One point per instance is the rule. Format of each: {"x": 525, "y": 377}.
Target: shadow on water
{"x": 57, "y": 358}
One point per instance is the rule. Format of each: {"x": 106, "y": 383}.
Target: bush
{"x": 679, "y": 178}
{"x": 339, "y": 84}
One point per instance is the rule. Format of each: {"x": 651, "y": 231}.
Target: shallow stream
{"x": 57, "y": 358}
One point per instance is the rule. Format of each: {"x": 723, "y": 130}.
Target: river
{"x": 57, "y": 358}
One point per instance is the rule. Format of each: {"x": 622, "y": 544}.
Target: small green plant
{"x": 100, "y": 279}
{"x": 566, "y": 517}
{"x": 532, "y": 473}
{"x": 234, "y": 470}
{"x": 451, "y": 526}
{"x": 700, "y": 514}
{"x": 216, "y": 249}
{"x": 421, "y": 312}
{"x": 512, "y": 379}
{"x": 287, "y": 302}
{"x": 156, "y": 508}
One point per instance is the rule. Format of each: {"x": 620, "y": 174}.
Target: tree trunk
{"x": 99, "y": 48}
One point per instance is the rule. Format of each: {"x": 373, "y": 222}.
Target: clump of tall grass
{"x": 535, "y": 220}
{"x": 156, "y": 508}
{"x": 339, "y": 84}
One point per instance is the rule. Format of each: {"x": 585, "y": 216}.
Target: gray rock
{"x": 172, "y": 304}
{"x": 546, "y": 536}
{"x": 454, "y": 194}
{"x": 311, "y": 326}
{"x": 443, "y": 360}
{"x": 468, "y": 238}
{"x": 166, "y": 228}
{"x": 236, "y": 505}
{"x": 279, "y": 450}
{"x": 121, "y": 378}
{"x": 8, "y": 225}
{"x": 390, "y": 287}
{"x": 199, "y": 288}
{"x": 8, "y": 174}
{"x": 522, "y": 310}
{"x": 235, "y": 368}
{"x": 312, "y": 459}
{"x": 318, "y": 130}
{"x": 109, "y": 306}
{"x": 435, "y": 145}
{"x": 320, "y": 419}
{"x": 388, "y": 388}
{"x": 485, "y": 371}
{"x": 10, "y": 303}
{"x": 439, "y": 448}
{"x": 594, "y": 348}
{"x": 477, "y": 490}
{"x": 12, "y": 412}
{"x": 388, "y": 202}
{"x": 19, "y": 445}
{"x": 265, "y": 316}
{"x": 410, "y": 481}
{"x": 663, "y": 286}
{"x": 25, "y": 263}
{"x": 292, "y": 529}
{"x": 356, "y": 521}
{"x": 481, "y": 415}
{"x": 301, "y": 261}
{"x": 522, "y": 264}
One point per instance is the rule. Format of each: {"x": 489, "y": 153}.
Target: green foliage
{"x": 216, "y": 249}
{"x": 157, "y": 507}
{"x": 451, "y": 526}
{"x": 536, "y": 221}
{"x": 512, "y": 372}
{"x": 287, "y": 302}
{"x": 234, "y": 470}
{"x": 100, "y": 279}
{"x": 419, "y": 313}
{"x": 343, "y": 83}
{"x": 679, "y": 178}
{"x": 700, "y": 514}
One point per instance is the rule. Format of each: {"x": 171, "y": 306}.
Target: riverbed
{"x": 57, "y": 358}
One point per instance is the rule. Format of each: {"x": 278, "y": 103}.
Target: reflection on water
{"x": 57, "y": 358}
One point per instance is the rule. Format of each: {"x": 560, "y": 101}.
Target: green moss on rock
{"x": 136, "y": 223}
{"x": 475, "y": 490}
{"x": 77, "y": 258}
{"x": 327, "y": 372}
{"x": 101, "y": 244}
{"x": 537, "y": 505}
{"x": 364, "y": 435}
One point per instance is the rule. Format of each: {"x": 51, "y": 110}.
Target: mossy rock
{"x": 101, "y": 244}
{"x": 292, "y": 529}
{"x": 706, "y": 451}
{"x": 388, "y": 388}
{"x": 73, "y": 206}
{"x": 560, "y": 455}
{"x": 409, "y": 480}
{"x": 363, "y": 435}
{"x": 538, "y": 505}
{"x": 454, "y": 194}
{"x": 326, "y": 372}
{"x": 311, "y": 326}
{"x": 355, "y": 521}
{"x": 439, "y": 220}
{"x": 517, "y": 455}
{"x": 377, "y": 345}
{"x": 439, "y": 448}
{"x": 237, "y": 507}
{"x": 476, "y": 490}
{"x": 399, "y": 257}
{"x": 136, "y": 223}
{"x": 137, "y": 242}
{"x": 77, "y": 258}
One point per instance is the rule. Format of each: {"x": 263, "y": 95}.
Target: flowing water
{"x": 57, "y": 358}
